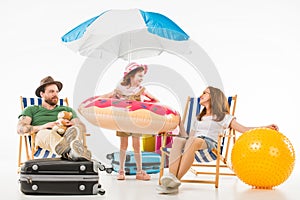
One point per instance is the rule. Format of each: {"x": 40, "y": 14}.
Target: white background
{"x": 255, "y": 46}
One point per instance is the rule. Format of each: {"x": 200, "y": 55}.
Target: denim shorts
{"x": 211, "y": 144}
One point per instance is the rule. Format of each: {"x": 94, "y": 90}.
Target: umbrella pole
{"x": 130, "y": 46}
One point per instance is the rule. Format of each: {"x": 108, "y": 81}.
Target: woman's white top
{"x": 209, "y": 128}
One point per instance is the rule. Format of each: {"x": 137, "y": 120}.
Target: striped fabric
{"x": 205, "y": 155}
{"x": 43, "y": 153}
{"x": 40, "y": 153}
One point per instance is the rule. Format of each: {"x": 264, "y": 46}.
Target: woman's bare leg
{"x": 187, "y": 159}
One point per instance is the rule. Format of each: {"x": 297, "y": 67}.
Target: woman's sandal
{"x": 121, "y": 175}
{"x": 142, "y": 175}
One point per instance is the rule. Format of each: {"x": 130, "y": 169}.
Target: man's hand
{"x": 48, "y": 125}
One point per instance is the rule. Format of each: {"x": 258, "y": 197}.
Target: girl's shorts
{"x": 124, "y": 134}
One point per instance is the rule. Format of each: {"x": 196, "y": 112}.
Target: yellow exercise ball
{"x": 263, "y": 158}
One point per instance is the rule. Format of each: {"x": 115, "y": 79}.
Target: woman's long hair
{"x": 218, "y": 105}
{"x": 126, "y": 79}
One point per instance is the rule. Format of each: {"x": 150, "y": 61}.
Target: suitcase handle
{"x": 28, "y": 180}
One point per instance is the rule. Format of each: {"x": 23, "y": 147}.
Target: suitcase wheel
{"x": 127, "y": 171}
{"x": 100, "y": 190}
{"x": 101, "y": 167}
{"x": 109, "y": 170}
{"x": 110, "y": 156}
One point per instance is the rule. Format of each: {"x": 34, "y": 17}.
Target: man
{"x": 41, "y": 119}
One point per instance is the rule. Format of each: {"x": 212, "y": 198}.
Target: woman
{"x": 213, "y": 119}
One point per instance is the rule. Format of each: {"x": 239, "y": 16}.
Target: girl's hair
{"x": 218, "y": 105}
{"x": 126, "y": 79}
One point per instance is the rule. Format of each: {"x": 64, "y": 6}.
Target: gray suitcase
{"x": 61, "y": 177}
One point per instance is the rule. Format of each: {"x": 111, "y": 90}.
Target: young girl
{"x": 131, "y": 88}
{"x": 213, "y": 119}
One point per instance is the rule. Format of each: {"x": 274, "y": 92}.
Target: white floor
{"x": 131, "y": 189}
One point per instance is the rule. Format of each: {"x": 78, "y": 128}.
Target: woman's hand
{"x": 272, "y": 126}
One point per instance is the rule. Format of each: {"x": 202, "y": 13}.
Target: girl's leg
{"x": 137, "y": 152}
{"x": 123, "y": 148}
{"x": 175, "y": 154}
{"x": 192, "y": 145}
{"x": 140, "y": 174}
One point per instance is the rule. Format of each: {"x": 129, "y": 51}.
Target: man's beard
{"x": 51, "y": 102}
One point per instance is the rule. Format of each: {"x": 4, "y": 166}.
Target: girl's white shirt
{"x": 127, "y": 91}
